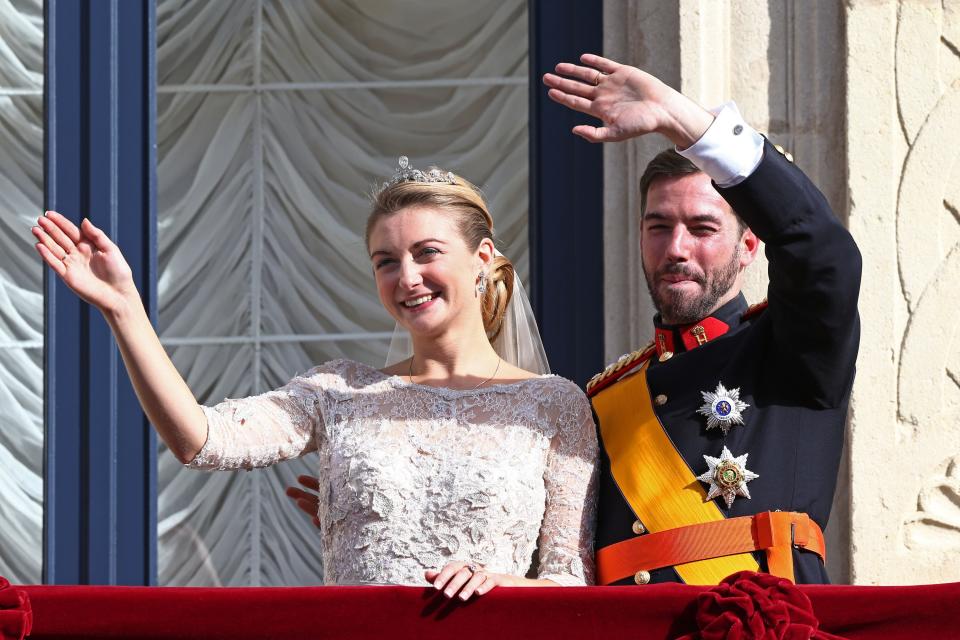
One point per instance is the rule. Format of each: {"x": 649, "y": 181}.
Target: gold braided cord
{"x": 622, "y": 362}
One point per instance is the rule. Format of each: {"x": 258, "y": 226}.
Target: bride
{"x": 451, "y": 465}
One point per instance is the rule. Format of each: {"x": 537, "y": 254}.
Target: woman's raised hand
{"x": 628, "y": 101}
{"x": 90, "y": 264}
{"x": 85, "y": 259}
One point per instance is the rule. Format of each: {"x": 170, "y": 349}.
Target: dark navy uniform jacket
{"x": 793, "y": 364}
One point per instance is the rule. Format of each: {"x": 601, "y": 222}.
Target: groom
{"x": 721, "y": 440}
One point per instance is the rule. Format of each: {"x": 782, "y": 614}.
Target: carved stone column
{"x": 643, "y": 33}
{"x": 903, "y": 106}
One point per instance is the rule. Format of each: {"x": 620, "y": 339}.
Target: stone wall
{"x": 866, "y": 95}
{"x": 903, "y": 137}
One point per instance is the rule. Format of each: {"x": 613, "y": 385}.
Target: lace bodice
{"x": 413, "y": 476}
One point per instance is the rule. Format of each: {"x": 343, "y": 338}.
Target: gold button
{"x": 641, "y": 577}
{"x": 788, "y": 156}
{"x": 638, "y": 528}
{"x": 666, "y": 355}
{"x": 660, "y": 400}
{"x": 778, "y": 148}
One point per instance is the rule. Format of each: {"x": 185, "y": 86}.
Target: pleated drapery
{"x": 275, "y": 120}
{"x": 21, "y": 291}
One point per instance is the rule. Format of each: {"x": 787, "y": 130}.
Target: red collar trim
{"x": 692, "y": 336}
{"x": 703, "y": 332}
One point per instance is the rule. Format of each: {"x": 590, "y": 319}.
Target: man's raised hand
{"x": 628, "y": 101}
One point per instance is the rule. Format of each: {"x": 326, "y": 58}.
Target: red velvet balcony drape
{"x": 656, "y": 611}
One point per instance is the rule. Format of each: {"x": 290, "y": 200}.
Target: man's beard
{"x": 676, "y": 307}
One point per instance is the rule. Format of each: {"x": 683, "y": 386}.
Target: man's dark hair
{"x": 669, "y": 163}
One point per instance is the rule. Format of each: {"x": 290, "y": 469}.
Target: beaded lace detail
{"x": 414, "y": 476}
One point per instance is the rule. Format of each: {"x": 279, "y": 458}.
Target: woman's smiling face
{"x": 426, "y": 275}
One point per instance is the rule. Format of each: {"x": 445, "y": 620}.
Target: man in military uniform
{"x": 721, "y": 440}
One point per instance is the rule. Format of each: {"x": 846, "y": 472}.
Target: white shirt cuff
{"x": 729, "y": 150}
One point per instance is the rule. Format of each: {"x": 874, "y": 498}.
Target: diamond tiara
{"x": 406, "y": 173}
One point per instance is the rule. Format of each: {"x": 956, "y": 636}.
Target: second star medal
{"x": 727, "y": 476}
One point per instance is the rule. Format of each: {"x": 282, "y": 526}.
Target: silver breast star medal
{"x": 727, "y": 476}
{"x": 722, "y": 408}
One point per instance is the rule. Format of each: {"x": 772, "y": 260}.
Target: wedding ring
{"x": 472, "y": 568}
{"x": 596, "y": 81}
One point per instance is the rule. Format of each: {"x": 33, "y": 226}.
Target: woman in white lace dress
{"x": 450, "y": 466}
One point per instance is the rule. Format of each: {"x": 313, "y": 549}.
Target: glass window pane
{"x": 205, "y": 203}
{"x": 204, "y": 42}
{"x": 408, "y": 41}
{"x": 21, "y": 291}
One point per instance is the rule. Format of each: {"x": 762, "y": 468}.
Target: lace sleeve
{"x": 261, "y": 430}
{"x": 569, "y": 521}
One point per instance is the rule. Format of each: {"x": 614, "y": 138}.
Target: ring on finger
{"x": 596, "y": 81}
{"x": 472, "y": 568}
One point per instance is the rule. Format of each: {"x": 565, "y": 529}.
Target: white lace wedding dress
{"x": 413, "y": 476}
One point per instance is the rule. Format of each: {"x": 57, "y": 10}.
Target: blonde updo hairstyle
{"x": 465, "y": 203}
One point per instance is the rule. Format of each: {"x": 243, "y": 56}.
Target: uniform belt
{"x": 773, "y": 532}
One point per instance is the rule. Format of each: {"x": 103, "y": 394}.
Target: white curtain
{"x": 21, "y": 290}
{"x": 275, "y": 119}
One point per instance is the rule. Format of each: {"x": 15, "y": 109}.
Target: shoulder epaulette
{"x": 624, "y": 364}
{"x": 754, "y": 310}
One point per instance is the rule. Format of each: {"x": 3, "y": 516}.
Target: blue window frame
{"x": 100, "y": 453}
{"x": 100, "y": 161}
